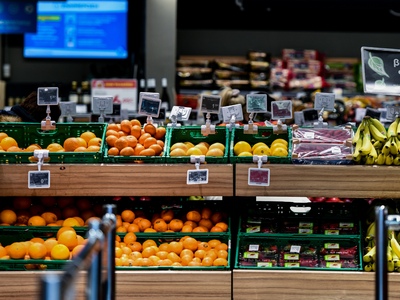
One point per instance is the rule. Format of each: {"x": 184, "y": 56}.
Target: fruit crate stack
{"x": 30, "y": 136}
{"x": 295, "y": 236}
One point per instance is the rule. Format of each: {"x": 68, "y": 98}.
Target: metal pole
{"x": 50, "y": 285}
{"x": 110, "y": 211}
{"x": 381, "y": 268}
{"x": 93, "y": 290}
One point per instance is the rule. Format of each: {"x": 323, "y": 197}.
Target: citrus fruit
{"x": 241, "y": 146}
{"x": 194, "y": 151}
{"x": 180, "y": 146}
{"x": 71, "y": 143}
{"x": 215, "y": 152}
{"x": 7, "y": 142}
{"x": 60, "y": 252}
{"x": 279, "y": 151}
{"x": 202, "y": 147}
{"x": 217, "y": 145}
{"x": 178, "y": 152}
{"x": 245, "y": 153}
{"x": 8, "y": 216}
{"x": 282, "y": 141}
{"x": 258, "y": 144}
{"x": 37, "y": 250}
{"x": 262, "y": 150}
{"x": 87, "y": 136}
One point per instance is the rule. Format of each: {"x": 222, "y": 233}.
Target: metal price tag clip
{"x": 40, "y": 155}
{"x": 279, "y": 127}
{"x": 320, "y": 123}
{"x": 250, "y": 127}
{"x": 197, "y": 160}
{"x": 260, "y": 159}
{"x": 232, "y": 123}
{"x": 208, "y": 128}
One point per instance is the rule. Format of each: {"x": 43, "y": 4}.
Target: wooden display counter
{"x": 149, "y": 285}
{"x": 224, "y": 180}
{"x": 309, "y": 285}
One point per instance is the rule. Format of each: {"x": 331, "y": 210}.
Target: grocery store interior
{"x": 284, "y": 207}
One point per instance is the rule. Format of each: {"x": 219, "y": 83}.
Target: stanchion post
{"x": 381, "y": 269}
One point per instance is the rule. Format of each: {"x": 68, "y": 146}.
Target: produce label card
{"x": 47, "y": 96}
{"x": 258, "y": 176}
{"x": 381, "y": 70}
{"x": 197, "y": 176}
{"x": 39, "y": 179}
{"x": 325, "y": 101}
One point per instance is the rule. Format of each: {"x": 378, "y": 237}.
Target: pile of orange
{"x": 129, "y": 138}
{"x": 204, "y": 220}
{"x": 186, "y": 251}
{"x": 66, "y": 245}
{"x": 86, "y": 142}
{"x": 201, "y": 148}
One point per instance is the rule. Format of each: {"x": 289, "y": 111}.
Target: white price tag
{"x": 258, "y": 176}
{"x": 182, "y": 113}
{"x": 197, "y": 176}
{"x": 256, "y": 103}
{"x": 210, "y": 103}
{"x": 68, "y": 108}
{"x": 39, "y": 179}
{"x": 47, "y": 96}
{"x": 392, "y": 112}
{"x": 230, "y": 111}
{"x": 325, "y": 101}
{"x": 281, "y": 109}
{"x": 295, "y": 249}
{"x": 149, "y": 106}
{"x": 102, "y": 104}
{"x": 254, "y": 247}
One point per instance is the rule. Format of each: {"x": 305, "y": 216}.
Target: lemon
{"x": 245, "y": 153}
{"x": 262, "y": 150}
{"x": 281, "y": 141}
{"x": 258, "y": 144}
{"x": 194, "y": 151}
{"x": 241, "y": 146}
{"x": 277, "y": 145}
{"x": 178, "y": 152}
{"x": 279, "y": 151}
{"x": 179, "y": 145}
{"x": 217, "y": 145}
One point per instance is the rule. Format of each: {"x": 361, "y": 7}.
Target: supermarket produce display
{"x": 331, "y": 238}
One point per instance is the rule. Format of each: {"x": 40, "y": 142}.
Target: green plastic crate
{"x": 30, "y": 133}
{"x": 159, "y": 239}
{"x": 31, "y": 264}
{"x": 193, "y": 134}
{"x": 265, "y": 134}
{"x": 298, "y": 253}
{"x": 134, "y": 158}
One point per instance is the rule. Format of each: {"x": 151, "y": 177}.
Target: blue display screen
{"x": 79, "y": 29}
{"x": 17, "y": 17}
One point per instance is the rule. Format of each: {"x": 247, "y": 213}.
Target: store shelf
{"x": 309, "y": 285}
{"x": 149, "y": 285}
{"x": 116, "y": 180}
{"x": 348, "y": 181}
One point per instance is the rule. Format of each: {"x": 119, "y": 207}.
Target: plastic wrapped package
{"x": 335, "y": 135}
{"x": 322, "y": 154}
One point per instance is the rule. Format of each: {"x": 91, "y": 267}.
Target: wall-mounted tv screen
{"x": 92, "y": 29}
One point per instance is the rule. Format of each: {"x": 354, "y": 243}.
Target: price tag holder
{"x": 281, "y": 110}
{"x": 210, "y": 103}
{"x": 258, "y": 176}
{"x": 149, "y": 106}
{"x": 148, "y": 94}
{"x": 373, "y": 113}
{"x": 102, "y": 105}
{"x": 68, "y": 109}
{"x": 380, "y": 70}
{"x": 324, "y": 101}
{"x": 179, "y": 113}
{"x": 392, "y": 112}
{"x": 199, "y": 176}
{"x": 232, "y": 114}
{"x": 47, "y": 96}
{"x": 256, "y": 103}
{"x": 39, "y": 179}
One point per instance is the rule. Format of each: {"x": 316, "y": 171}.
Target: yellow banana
{"x": 369, "y": 256}
{"x": 395, "y": 258}
{"x": 366, "y": 144}
{"x": 396, "y": 161}
{"x": 398, "y": 128}
{"x": 376, "y": 134}
{"x": 368, "y": 268}
{"x": 393, "y": 147}
{"x": 357, "y": 148}
{"x": 390, "y": 266}
{"x": 370, "y": 160}
{"x": 381, "y": 159}
{"x": 359, "y": 130}
{"x": 389, "y": 253}
{"x": 373, "y": 153}
{"x": 379, "y": 144}
{"x": 389, "y": 160}
{"x": 395, "y": 245}
{"x": 371, "y": 230}
{"x": 386, "y": 147}
{"x": 392, "y": 130}
{"x": 378, "y": 125}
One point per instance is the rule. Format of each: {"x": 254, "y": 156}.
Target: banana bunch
{"x": 373, "y": 144}
{"x": 393, "y": 254}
